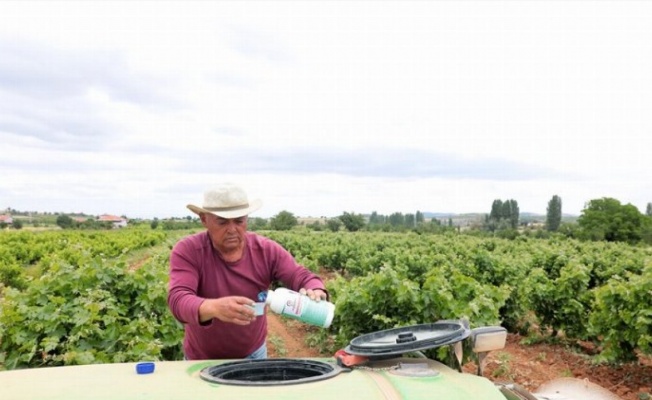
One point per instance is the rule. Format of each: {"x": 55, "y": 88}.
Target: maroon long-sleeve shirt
{"x": 197, "y": 272}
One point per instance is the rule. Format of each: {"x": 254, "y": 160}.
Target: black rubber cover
{"x": 397, "y": 341}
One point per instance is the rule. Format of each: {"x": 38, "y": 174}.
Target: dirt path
{"x": 528, "y": 366}
{"x": 287, "y": 338}
{"x": 532, "y": 365}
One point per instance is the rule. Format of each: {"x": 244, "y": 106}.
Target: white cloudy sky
{"x": 320, "y": 107}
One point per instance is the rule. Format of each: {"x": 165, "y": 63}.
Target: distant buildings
{"x": 118, "y": 222}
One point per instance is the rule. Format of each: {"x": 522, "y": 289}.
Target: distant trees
{"x": 333, "y": 224}
{"x": 65, "y": 222}
{"x": 410, "y": 221}
{"x": 396, "y": 221}
{"x": 283, "y": 221}
{"x": 352, "y": 222}
{"x": 399, "y": 222}
{"x": 553, "y": 214}
{"x": 607, "y": 219}
{"x": 178, "y": 224}
{"x": 503, "y": 215}
{"x": 375, "y": 219}
{"x": 511, "y": 212}
{"x": 256, "y": 223}
{"x": 647, "y": 230}
{"x": 16, "y": 224}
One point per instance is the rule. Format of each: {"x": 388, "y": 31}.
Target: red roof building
{"x": 118, "y": 222}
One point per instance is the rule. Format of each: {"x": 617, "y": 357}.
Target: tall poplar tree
{"x": 375, "y": 219}
{"x": 396, "y": 219}
{"x": 496, "y": 210}
{"x": 514, "y": 213}
{"x": 553, "y": 214}
{"x": 410, "y": 221}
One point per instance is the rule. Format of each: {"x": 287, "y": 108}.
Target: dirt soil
{"x": 527, "y": 365}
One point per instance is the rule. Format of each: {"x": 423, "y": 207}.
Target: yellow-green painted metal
{"x": 180, "y": 380}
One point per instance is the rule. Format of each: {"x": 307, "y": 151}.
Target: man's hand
{"x": 234, "y": 309}
{"x": 314, "y": 294}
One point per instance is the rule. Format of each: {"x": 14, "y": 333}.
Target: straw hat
{"x": 227, "y": 201}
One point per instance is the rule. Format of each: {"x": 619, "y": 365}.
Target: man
{"x": 216, "y": 275}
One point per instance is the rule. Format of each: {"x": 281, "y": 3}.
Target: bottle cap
{"x": 145, "y": 368}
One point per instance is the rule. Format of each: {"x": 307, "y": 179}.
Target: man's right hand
{"x": 233, "y": 309}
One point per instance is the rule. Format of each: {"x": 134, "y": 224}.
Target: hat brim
{"x": 235, "y": 212}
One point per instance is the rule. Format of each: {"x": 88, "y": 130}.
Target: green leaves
{"x": 622, "y": 316}
{"x": 587, "y": 290}
{"x": 607, "y": 219}
{"x": 95, "y": 312}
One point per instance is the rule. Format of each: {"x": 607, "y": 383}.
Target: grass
{"x": 504, "y": 368}
{"x": 279, "y": 345}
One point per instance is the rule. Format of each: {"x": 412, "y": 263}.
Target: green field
{"x": 78, "y": 297}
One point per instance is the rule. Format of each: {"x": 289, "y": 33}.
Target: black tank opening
{"x": 269, "y": 372}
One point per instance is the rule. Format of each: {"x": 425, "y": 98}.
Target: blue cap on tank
{"x": 145, "y": 368}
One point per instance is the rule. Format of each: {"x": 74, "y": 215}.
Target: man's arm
{"x": 182, "y": 288}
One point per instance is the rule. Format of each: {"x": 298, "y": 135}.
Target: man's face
{"x": 227, "y": 234}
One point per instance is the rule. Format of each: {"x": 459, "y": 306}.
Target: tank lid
{"x": 397, "y": 341}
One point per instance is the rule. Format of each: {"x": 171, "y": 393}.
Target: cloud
{"x": 255, "y": 44}
{"x": 59, "y": 97}
{"x": 65, "y": 125}
{"x": 373, "y": 162}
{"x": 39, "y": 71}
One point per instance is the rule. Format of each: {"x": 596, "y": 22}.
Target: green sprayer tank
{"x": 382, "y": 365}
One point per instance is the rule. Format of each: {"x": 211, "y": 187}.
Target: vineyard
{"x": 79, "y": 297}
{"x": 551, "y": 289}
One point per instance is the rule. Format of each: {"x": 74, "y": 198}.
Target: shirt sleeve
{"x": 184, "y": 278}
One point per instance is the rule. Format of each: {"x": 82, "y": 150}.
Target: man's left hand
{"x": 315, "y": 294}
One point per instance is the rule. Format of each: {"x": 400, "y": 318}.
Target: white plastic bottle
{"x": 299, "y": 306}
